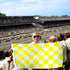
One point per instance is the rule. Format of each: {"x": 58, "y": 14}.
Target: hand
{"x": 10, "y": 59}
{"x": 63, "y": 47}
{"x": 11, "y": 50}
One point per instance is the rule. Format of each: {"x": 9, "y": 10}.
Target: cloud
{"x": 7, "y": 4}
{"x": 35, "y": 7}
{"x": 28, "y": 1}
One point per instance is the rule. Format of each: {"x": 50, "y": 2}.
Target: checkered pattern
{"x": 38, "y": 56}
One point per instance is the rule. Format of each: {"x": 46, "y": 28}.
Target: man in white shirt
{"x": 68, "y": 44}
{"x": 68, "y": 51}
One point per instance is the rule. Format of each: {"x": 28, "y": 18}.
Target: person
{"x": 53, "y": 39}
{"x": 36, "y": 38}
{"x": 6, "y": 61}
{"x": 60, "y": 37}
{"x": 10, "y": 60}
{"x": 9, "y": 65}
{"x": 67, "y": 65}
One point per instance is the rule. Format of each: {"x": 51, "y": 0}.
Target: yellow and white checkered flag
{"x": 38, "y": 56}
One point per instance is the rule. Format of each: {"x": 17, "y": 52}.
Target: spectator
{"x": 8, "y": 61}
{"x": 36, "y": 38}
{"x": 60, "y": 37}
{"x": 68, "y": 51}
{"x": 12, "y": 66}
{"x": 9, "y": 65}
{"x": 52, "y": 39}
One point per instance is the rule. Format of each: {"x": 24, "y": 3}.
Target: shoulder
{"x": 5, "y": 60}
{"x": 31, "y": 43}
{"x": 68, "y": 40}
{"x": 41, "y": 41}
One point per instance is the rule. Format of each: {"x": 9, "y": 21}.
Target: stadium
{"x": 19, "y": 29}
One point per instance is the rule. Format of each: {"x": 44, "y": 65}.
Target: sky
{"x": 35, "y": 7}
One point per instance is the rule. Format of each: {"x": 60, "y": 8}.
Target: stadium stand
{"x": 12, "y": 26}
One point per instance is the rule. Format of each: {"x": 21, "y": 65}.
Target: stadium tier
{"x": 12, "y": 25}
{"x": 8, "y": 21}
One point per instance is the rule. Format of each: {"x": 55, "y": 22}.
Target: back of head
{"x": 7, "y": 54}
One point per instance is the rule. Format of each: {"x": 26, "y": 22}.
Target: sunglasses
{"x": 36, "y": 36}
{"x": 53, "y": 40}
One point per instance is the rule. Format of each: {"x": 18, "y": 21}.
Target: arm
{"x": 8, "y": 63}
{"x": 0, "y": 68}
{"x": 13, "y": 64}
{"x": 8, "y": 67}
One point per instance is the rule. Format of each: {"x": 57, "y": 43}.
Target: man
{"x": 36, "y": 38}
{"x": 68, "y": 51}
{"x": 52, "y": 39}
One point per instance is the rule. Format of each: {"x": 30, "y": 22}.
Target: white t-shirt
{"x": 68, "y": 43}
{"x": 0, "y": 63}
{"x": 4, "y": 64}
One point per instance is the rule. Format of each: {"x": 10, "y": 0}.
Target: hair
{"x": 67, "y": 35}
{"x": 60, "y": 37}
{"x": 37, "y": 33}
{"x": 7, "y": 54}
